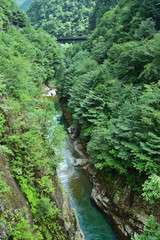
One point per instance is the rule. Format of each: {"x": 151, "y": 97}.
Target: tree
{"x": 152, "y": 231}
{"x": 61, "y": 19}
{"x": 151, "y": 189}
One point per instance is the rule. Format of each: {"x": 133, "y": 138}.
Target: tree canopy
{"x": 61, "y": 18}
{"x": 28, "y": 59}
{"x": 112, "y": 84}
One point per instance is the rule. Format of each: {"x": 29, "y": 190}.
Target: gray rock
{"x": 80, "y": 162}
{"x": 127, "y": 209}
{"x": 70, "y": 219}
{"x": 72, "y": 132}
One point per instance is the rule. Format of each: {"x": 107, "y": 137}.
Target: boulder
{"x": 80, "y": 162}
{"x": 72, "y": 132}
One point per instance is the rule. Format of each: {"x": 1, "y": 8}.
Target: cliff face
{"x": 11, "y": 199}
{"x": 117, "y": 200}
{"x": 68, "y": 218}
{"x": 120, "y": 203}
{"x": 13, "y": 202}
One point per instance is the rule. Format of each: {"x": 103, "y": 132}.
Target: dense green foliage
{"x": 129, "y": 21}
{"x": 111, "y": 85}
{"x": 100, "y": 8}
{"x": 113, "y": 92}
{"x": 28, "y": 59}
{"x": 9, "y": 14}
{"x": 152, "y": 231}
{"x": 61, "y": 18}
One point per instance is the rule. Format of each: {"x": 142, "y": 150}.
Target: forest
{"x": 61, "y": 18}
{"x": 28, "y": 59}
{"x": 110, "y": 84}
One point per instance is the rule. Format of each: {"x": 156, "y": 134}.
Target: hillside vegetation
{"x": 100, "y": 8}
{"x": 28, "y": 59}
{"x": 61, "y": 18}
{"x": 111, "y": 85}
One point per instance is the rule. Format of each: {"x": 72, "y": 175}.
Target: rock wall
{"x": 117, "y": 200}
{"x": 68, "y": 215}
{"x": 15, "y": 201}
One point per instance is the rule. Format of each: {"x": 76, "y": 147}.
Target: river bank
{"x": 94, "y": 224}
{"x": 19, "y": 215}
{"x": 128, "y": 210}
{"x": 68, "y": 215}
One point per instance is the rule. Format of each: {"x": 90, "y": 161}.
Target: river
{"x": 94, "y": 224}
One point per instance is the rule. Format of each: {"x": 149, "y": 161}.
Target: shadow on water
{"x": 94, "y": 224}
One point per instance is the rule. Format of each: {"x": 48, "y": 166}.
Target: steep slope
{"x": 100, "y": 8}
{"x": 61, "y": 18}
{"x": 111, "y": 85}
{"x": 32, "y": 203}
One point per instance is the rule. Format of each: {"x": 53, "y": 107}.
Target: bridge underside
{"x": 71, "y": 39}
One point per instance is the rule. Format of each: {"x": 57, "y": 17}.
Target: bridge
{"x": 71, "y": 39}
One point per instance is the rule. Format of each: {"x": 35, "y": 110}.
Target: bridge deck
{"x": 71, "y": 39}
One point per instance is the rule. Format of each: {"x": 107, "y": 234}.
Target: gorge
{"x": 110, "y": 93}
{"x": 92, "y": 222}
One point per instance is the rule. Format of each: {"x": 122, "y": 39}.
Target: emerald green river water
{"x": 93, "y": 223}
